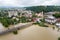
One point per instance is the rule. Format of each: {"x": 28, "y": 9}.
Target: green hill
{"x": 43, "y": 8}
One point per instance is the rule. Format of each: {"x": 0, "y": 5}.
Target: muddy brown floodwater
{"x": 33, "y": 32}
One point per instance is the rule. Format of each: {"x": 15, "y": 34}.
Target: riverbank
{"x": 15, "y": 27}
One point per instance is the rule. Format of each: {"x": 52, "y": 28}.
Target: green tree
{"x": 4, "y": 22}
{"x": 56, "y": 15}
{"x": 15, "y": 32}
{"x": 23, "y": 19}
{"x": 19, "y": 14}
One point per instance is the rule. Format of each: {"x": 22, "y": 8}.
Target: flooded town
{"x": 29, "y": 22}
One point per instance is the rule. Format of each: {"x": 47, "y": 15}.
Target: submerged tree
{"x": 56, "y": 15}
{"x": 15, "y": 32}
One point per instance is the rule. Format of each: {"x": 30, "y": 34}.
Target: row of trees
{"x": 7, "y": 21}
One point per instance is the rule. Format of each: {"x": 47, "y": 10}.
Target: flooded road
{"x": 33, "y": 32}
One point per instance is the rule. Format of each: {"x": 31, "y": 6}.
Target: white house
{"x": 26, "y": 13}
{"x": 58, "y": 23}
{"x": 50, "y": 19}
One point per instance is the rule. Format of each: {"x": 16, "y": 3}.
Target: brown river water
{"x": 33, "y": 32}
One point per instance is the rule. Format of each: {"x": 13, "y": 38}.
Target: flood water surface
{"x": 33, "y": 32}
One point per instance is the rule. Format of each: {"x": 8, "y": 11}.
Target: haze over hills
{"x": 35, "y": 8}
{"x": 4, "y": 8}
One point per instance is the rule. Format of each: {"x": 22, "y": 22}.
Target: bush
{"x": 56, "y": 15}
{"x": 15, "y": 21}
{"x": 42, "y": 24}
{"x": 36, "y": 23}
{"x": 15, "y": 32}
{"x": 23, "y": 19}
{"x": 45, "y": 26}
{"x": 59, "y": 38}
{"x": 42, "y": 20}
{"x": 6, "y": 25}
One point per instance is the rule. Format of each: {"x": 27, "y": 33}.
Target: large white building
{"x": 12, "y": 13}
{"x": 50, "y": 19}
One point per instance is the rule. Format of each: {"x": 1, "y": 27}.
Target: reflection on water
{"x": 33, "y": 32}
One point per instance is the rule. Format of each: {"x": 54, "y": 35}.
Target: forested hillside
{"x": 43, "y": 8}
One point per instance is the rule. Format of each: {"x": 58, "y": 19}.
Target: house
{"x": 36, "y": 19}
{"x": 51, "y": 13}
{"x": 50, "y": 19}
{"x": 58, "y": 23}
{"x": 48, "y": 14}
{"x": 40, "y": 14}
{"x": 26, "y": 13}
{"x": 15, "y": 18}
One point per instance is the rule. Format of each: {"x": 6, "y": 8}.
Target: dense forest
{"x": 43, "y": 8}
